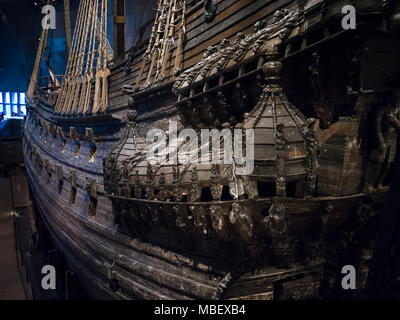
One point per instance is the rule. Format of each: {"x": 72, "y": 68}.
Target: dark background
{"x": 20, "y": 30}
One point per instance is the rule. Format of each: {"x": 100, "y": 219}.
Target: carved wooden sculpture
{"x": 203, "y": 230}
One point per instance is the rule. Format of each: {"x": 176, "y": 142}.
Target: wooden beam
{"x": 67, "y": 15}
{"x": 119, "y": 28}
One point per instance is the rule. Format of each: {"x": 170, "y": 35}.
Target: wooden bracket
{"x": 73, "y": 133}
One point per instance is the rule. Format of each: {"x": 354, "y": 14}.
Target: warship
{"x": 321, "y": 98}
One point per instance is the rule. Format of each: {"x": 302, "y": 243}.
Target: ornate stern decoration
{"x": 212, "y": 202}
{"x": 292, "y": 139}
{"x": 265, "y": 38}
{"x": 110, "y": 171}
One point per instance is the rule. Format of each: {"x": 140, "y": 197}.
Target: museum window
{"x": 13, "y": 104}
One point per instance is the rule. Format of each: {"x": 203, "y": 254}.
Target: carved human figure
{"x": 276, "y": 221}
{"x": 280, "y": 163}
{"x": 200, "y": 219}
{"x": 278, "y": 15}
{"x": 241, "y": 185}
{"x": 387, "y": 125}
{"x": 315, "y": 76}
{"x": 216, "y": 187}
{"x": 180, "y": 216}
{"x": 177, "y": 179}
{"x": 240, "y": 217}
{"x": 226, "y": 52}
{"x": 210, "y": 9}
{"x": 276, "y": 224}
{"x": 218, "y": 221}
{"x": 161, "y": 183}
{"x": 124, "y": 181}
{"x": 353, "y": 78}
{"x": 149, "y": 182}
{"x": 195, "y": 190}
{"x": 137, "y": 190}
{"x": 312, "y": 146}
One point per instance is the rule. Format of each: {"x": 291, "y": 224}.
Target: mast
{"x": 97, "y": 89}
{"x": 36, "y": 68}
{"x": 106, "y": 71}
{"x": 67, "y": 77}
{"x": 148, "y": 52}
{"x": 87, "y": 86}
{"x": 89, "y": 40}
{"x": 76, "y": 61}
{"x": 67, "y": 15}
{"x": 179, "y": 48}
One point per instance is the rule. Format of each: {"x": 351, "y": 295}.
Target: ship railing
{"x": 47, "y": 95}
{"x": 216, "y": 217}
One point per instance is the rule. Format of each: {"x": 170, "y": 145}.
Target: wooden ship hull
{"x": 127, "y": 241}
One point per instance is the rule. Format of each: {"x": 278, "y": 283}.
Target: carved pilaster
{"x": 161, "y": 184}
{"x": 177, "y": 182}
{"x": 149, "y": 183}
{"x": 216, "y": 187}
{"x": 311, "y": 147}
{"x": 280, "y": 162}
{"x": 277, "y": 227}
{"x": 195, "y": 192}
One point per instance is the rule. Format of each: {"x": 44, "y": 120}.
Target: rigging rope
{"x": 89, "y": 51}
{"x": 65, "y": 81}
{"x": 35, "y": 73}
{"x": 162, "y": 40}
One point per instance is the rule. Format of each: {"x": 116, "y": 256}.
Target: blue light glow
{"x": 22, "y": 98}
{"x": 13, "y": 104}
{"x": 14, "y": 97}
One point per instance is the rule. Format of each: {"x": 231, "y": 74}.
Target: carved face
{"x": 224, "y": 43}
{"x": 209, "y": 51}
{"x": 310, "y": 123}
{"x": 277, "y": 16}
